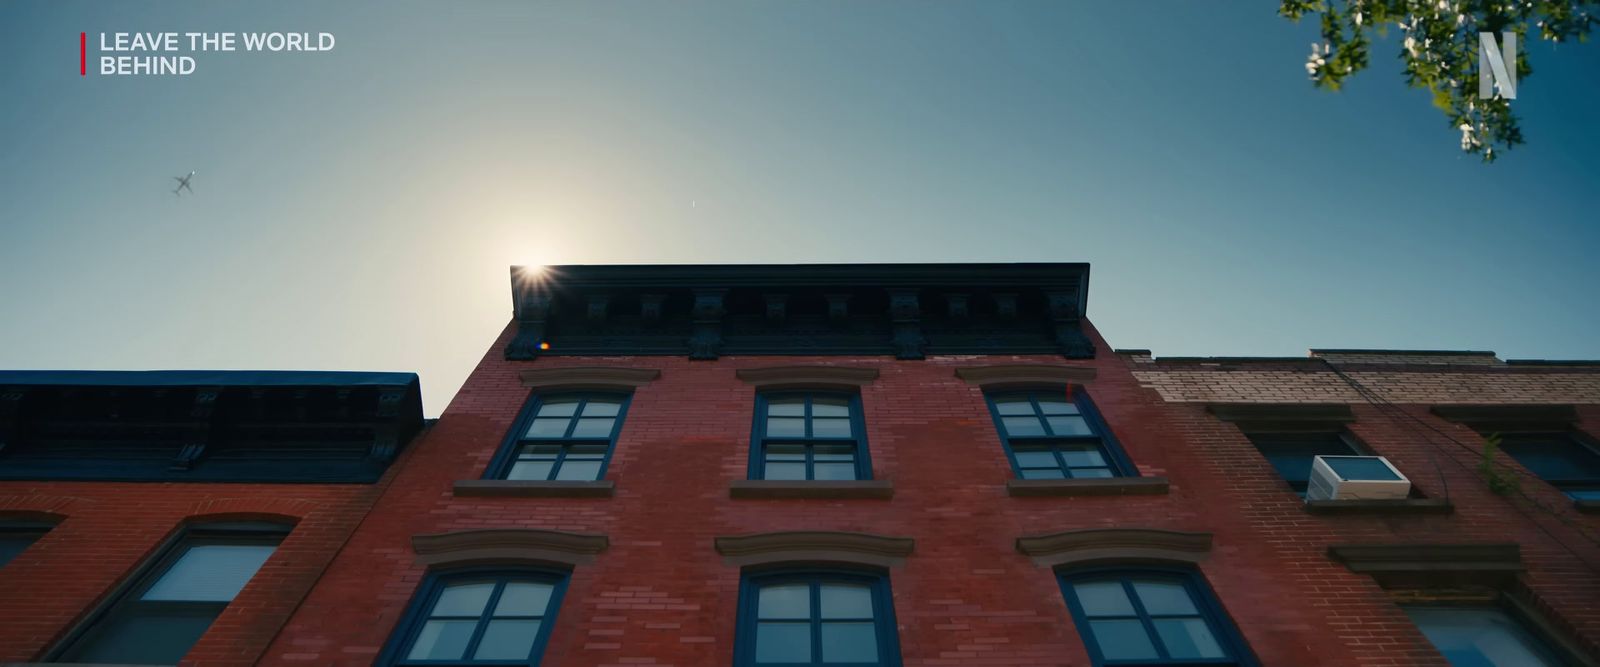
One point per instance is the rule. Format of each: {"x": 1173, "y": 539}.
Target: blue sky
{"x": 357, "y": 209}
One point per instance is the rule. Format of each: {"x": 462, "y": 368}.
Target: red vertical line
{"x": 83, "y": 54}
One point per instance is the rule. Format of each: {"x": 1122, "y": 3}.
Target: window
{"x": 1562, "y": 459}
{"x": 1050, "y": 434}
{"x": 799, "y": 618}
{"x": 167, "y": 609}
{"x": 479, "y": 618}
{"x": 564, "y": 437}
{"x": 1150, "y": 617}
{"x": 1481, "y": 637}
{"x": 16, "y": 537}
{"x": 810, "y": 436}
{"x": 1291, "y": 453}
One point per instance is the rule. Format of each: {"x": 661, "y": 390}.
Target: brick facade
{"x": 662, "y": 596}
{"x": 660, "y": 593}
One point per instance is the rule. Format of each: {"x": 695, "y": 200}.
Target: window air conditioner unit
{"x": 1355, "y": 478}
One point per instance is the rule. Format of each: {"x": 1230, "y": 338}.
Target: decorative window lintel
{"x": 1079, "y": 547}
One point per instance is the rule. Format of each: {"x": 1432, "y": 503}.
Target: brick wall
{"x": 1559, "y": 544}
{"x": 108, "y": 530}
{"x": 661, "y": 595}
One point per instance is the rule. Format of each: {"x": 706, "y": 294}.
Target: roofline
{"x": 206, "y": 378}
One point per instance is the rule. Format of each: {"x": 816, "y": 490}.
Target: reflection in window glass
{"x": 809, "y": 437}
{"x": 473, "y": 620}
{"x": 822, "y": 619}
{"x": 568, "y": 439}
{"x": 1481, "y": 637}
{"x": 1049, "y": 437}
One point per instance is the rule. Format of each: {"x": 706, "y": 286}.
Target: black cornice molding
{"x": 909, "y": 311}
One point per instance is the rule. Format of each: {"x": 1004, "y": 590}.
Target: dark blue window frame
{"x": 1564, "y": 459}
{"x": 422, "y": 604}
{"x": 1291, "y": 453}
{"x": 761, "y": 439}
{"x": 128, "y": 603}
{"x": 886, "y": 631}
{"x": 1208, "y": 607}
{"x": 17, "y": 536}
{"x": 1115, "y": 460}
{"x": 511, "y": 450}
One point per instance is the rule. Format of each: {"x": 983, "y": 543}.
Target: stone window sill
{"x": 1114, "y": 486}
{"x": 1401, "y": 506}
{"x": 819, "y": 489}
{"x": 1587, "y": 506}
{"x": 505, "y": 488}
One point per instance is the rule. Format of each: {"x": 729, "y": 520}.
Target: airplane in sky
{"x": 183, "y": 184}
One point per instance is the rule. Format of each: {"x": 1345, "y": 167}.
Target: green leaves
{"x": 1439, "y": 50}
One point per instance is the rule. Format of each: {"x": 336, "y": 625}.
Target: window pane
{"x": 1103, "y": 598}
{"x": 594, "y": 428}
{"x": 462, "y": 600}
{"x": 1087, "y": 456}
{"x": 1164, "y": 598}
{"x": 786, "y": 427}
{"x": 786, "y": 452}
{"x": 1022, "y": 426}
{"x": 1057, "y": 406}
{"x": 523, "y": 599}
{"x": 507, "y": 640}
{"x": 849, "y": 642}
{"x": 1043, "y": 473}
{"x": 14, "y": 544}
{"x": 1122, "y": 640}
{"x": 834, "y": 471}
{"x": 548, "y": 428}
{"x": 834, "y": 452}
{"x": 442, "y": 640}
{"x": 784, "y": 601}
{"x": 588, "y": 450}
{"x": 1552, "y": 456}
{"x": 783, "y": 642}
{"x": 830, "y": 428}
{"x": 846, "y": 601}
{"x": 1481, "y": 636}
{"x": 1090, "y": 473}
{"x": 529, "y": 470}
{"x": 1359, "y": 468}
{"x": 558, "y": 408}
{"x": 784, "y": 471}
{"x": 210, "y": 573}
{"x": 830, "y": 407}
{"x": 786, "y": 407}
{"x": 578, "y": 470}
{"x": 145, "y": 639}
{"x": 1069, "y": 426}
{"x": 1036, "y": 458}
{"x": 597, "y": 407}
{"x": 1187, "y": 638}
{"x": 1013, "y": 407}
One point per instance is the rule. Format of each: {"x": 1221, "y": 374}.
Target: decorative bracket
{"x": 1068, "y": 323}
{"x": 532, "y": 314}
{"x": 650, "y": 307}
{"x": 386, "y": 432}
{"x": 838, "y": 307}
{"x": 1005, "y": 305}
{"x": 597, "y": 307}
{"x": 956, "y": 305}
{"x": 777, "y": 306}
{"x": 706, "y": 341}
{"x": 905, "y": 311}
{"x": 204, "y": 408}
{"x": 10, "y": 416}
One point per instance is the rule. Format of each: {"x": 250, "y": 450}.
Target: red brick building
{"x": 928, "y": 465}
{"x": 136, "y": 506}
